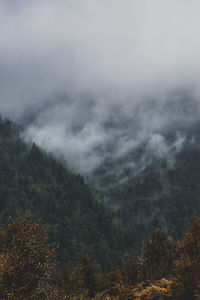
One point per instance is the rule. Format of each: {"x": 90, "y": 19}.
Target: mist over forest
{"x": 100, "y": 141}
{"x": 112, "y": 88}
{"x": 95, "y": 80}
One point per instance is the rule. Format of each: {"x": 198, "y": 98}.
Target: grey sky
{"x": 106, "y": 48}
{"x": 112, "y": 53}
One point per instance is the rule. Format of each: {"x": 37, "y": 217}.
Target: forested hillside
{"x": 157, "y": 179}
{"x": 105, "y": 224}
{"x": 36, "y": 183}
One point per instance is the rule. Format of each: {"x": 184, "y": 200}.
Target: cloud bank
{"x": 112, "y": 50}
{"x": 83, "y": 74}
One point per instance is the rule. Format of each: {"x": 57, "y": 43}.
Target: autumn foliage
{"x": 164, "y": 269}
{"x": 26, "y": 260}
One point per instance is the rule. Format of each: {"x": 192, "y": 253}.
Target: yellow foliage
{"x": 158, "y": 290}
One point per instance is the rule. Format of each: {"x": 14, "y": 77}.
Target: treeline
{"x": 164, "y": 269}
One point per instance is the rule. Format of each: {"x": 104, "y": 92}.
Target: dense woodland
{"x": 34, "y": 182}
{"x": 157, "y": 186}
{"x": 82, "y": 249}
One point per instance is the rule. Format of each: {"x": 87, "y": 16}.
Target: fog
{"x": 95, "y": 80}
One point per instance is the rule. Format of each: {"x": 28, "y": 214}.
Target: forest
{"x": 36, "y": 183}
{"x": 164, "y": 269}
{"x": 99, "y": 150}
{"x": 60, "y": 240}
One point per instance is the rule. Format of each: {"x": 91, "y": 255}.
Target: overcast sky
{"x": 109, "y": 48}
{"x": 73, "y": 61}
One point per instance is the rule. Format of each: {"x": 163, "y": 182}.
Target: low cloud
{"x": 95, "y": 80}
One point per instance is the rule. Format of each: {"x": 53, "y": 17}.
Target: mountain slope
{"x": 166, "y": 187}
{"x": 32, "y": 181}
